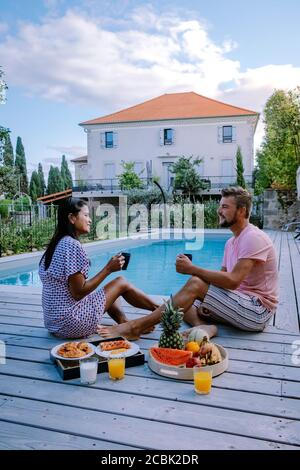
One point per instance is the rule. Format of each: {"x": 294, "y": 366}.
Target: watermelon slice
{"x": 170, "y": 357}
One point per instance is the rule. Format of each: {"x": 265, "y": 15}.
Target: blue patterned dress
{"x": 63, "y": 315}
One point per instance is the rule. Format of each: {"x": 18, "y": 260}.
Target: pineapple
{"x": 170, "y": 321}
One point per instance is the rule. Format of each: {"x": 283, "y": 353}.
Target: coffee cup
{"x": 127, "y": 259}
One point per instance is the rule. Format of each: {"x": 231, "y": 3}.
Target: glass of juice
{"x": 116, "y": 366}
{"x": 202, "y": 379}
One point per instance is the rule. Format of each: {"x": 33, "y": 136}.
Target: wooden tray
{"x": 70, "y": 369}
{"x": 185, "y": 373}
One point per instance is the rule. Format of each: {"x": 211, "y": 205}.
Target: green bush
{"x": 5, "y": 205}
{"x": 20, "y": 238}
{"x": 211, "y": 219}
{"x": 22, "y": 204}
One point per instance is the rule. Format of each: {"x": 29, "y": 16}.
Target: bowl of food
{"x": 198, "y": 351}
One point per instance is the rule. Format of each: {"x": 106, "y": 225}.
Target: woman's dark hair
{"x": 64, "y": 227}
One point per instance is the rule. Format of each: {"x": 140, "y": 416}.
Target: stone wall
{"x": 280, "y": 207}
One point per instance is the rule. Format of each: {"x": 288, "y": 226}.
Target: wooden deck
{"x": 254, "y": 405}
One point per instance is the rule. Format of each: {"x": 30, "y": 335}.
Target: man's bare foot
{"x": 211, "y": 330}
{"x": 148, "y": 330}
{"x": 124, "y": 329}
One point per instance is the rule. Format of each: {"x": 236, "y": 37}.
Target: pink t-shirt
{"x": 262, "y": 281}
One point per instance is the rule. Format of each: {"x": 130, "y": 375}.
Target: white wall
{"x": 140, "y": 142}
{"x": 81, "y": 171}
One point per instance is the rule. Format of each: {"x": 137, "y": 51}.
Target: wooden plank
{"x": 48, "y": 342}
{"x": 159, "y": 410}
{"x": 20, "y": 313}
{"x": 286, "y": 316}
{"x": 286, "y": 370}
{"x": 295, "y": 261}
{"x": 19, "y": 437}
{"x": 19, "y": 307}
{"x": 179, "y": 392}
{"x": 38, "y": 332}
{"x": 231, "y": 381}
{"x": 39, "y": 355}
{"x": 123, "y": 429}
{"x": 277, "y": 245}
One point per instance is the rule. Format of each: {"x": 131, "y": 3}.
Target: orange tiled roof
{"x": 80, "y": 159}
{"x": 55, "y": 196}
{"x": 173, "y": 106}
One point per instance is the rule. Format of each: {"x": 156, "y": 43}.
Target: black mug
{"x": 189, "y": 256}
{"x": 127, "y": 259}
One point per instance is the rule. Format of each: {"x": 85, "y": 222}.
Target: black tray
{"x": 70, "y": 369}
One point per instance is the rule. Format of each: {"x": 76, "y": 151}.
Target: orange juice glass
{"x": 116, "y": 366}
{"x": 202, "y": 379}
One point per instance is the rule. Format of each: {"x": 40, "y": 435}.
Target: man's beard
{"x": 228, "y": 223}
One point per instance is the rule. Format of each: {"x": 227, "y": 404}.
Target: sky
{"x": 67, "y": 61}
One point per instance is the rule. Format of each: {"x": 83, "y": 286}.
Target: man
{"x": 243, "y": 294}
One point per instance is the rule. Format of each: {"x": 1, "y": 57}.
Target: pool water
{"x": 151, "y": 267}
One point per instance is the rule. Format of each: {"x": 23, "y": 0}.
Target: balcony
{"x": 104, "y": 185}
{"x": 211, "y": 185}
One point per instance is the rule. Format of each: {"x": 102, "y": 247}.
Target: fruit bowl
{"x": 185, "y": 373}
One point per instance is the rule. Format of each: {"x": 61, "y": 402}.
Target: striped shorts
{"x": 235, "y": 308}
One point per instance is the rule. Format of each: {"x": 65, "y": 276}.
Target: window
{"x": 227, "y": 134}
{"x": 168, "y": 136}
{"x": 109, "y": 140}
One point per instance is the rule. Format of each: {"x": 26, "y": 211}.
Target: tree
{"x": 240, "y": 180}
{"x": 8, "y": 152}
{"x": 42, "y": 183}
{"x": 279, "y": 155}
{"x": 8, "y": 181}
{"x": 129, "y": 179}
{"x": 66, "y": 174}
{"x": 55, "y": 182}
{"x": 34, "y": 186}
{"x": 186, "y": 176}
{"x": 20, "y": 166}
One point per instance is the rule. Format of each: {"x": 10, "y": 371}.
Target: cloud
{"x": 3, "y": 27}
{"x": 69, "y": 151}
{"x": 255, "y": 86}
{"x": 76, "y": 59}
{"x": 112, "y": 63}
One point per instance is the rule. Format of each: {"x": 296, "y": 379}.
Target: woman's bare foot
{"x": 211, "y": 330}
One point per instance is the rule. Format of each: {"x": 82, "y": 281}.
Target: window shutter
{"x": 102, "y": 140}
{"x": 173, "y": 136}
{"x": 161, "y": 136}
{"x": 233, "y": 133}
{"x": 115, "y": 139}
{"x": 220, "y": 134}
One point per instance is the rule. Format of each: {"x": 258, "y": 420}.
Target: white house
{"x": 154, "y": 134}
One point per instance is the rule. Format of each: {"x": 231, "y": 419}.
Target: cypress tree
{"x": 34, "y": 187}
{"x": 42, "y": 183}
{"x": 66, "y": 174}
{"x": 240, "y": 180}
{"x": 8, "y": 152}
{"x": 55, "y": 182}
{"x": 20, "y": 165}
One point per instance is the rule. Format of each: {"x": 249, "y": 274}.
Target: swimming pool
{"x": 151, "y": 267}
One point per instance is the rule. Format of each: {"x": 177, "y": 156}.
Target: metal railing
{"x": 221, "y": 181}
{"x": 104, "y": 185}
{"x": 26, "y": 230}
{"x": 112, "y": 185}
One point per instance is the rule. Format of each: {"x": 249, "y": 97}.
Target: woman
{"x": 72, "y": 306}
